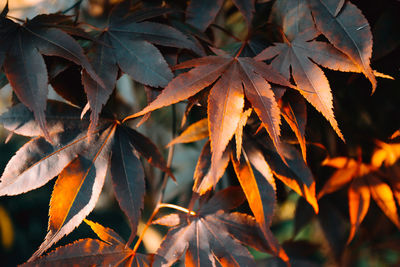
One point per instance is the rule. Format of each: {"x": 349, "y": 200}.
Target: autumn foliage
{"x": 287, "y": 98}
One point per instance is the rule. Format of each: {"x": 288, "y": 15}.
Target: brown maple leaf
{"x": 111, "y": 251}
{"x": 232, "y": 79}
{"x": 212, "y": 235}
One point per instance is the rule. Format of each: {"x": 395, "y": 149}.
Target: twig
{"x": 227, "y": 32}
{"x": 162, "y": 188}
{"x": 77, "y": 4}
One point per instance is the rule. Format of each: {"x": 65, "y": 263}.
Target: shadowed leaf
{"x": 24, "y": 65}
{"x": 348, "y": 30}
{"x": 247, "y": 8}
{"x": 295, "y": 174}
{"x": 147, "y": 149}
{"x": 295, "y": 114}
{"x": 106, "y": 66}
{"x": 201, "y": 13}
{"x": 204, "y": 238}
{"x": 128, "y": 178}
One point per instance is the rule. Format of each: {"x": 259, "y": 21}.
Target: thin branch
{"x": 76, "y": 5}
{"x": 227, "y": 32}
{"x": 162, "y": 188}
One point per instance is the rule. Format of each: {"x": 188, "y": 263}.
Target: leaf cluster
{"x": 256, "y": 100}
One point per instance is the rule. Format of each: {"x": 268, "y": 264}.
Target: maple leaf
{"x": 127, "y": 44}
{"x": 238, "y": 77}
{"x": 201, "y": 14}
{"x": 294, "y": 111}
{"x": 193, "y": 133}
{"x": 111, "y": 251}
{"x": 347, "y": 29}
{"x": 211, "y": 235}
{"x": 259, "y": 187}
{"x": 293, "y": 172}
{"x": 300, "y": 53}
{"x": 365, "y": 182}
{"x": 21, "y": 57}
{"x": 81, "y": 160}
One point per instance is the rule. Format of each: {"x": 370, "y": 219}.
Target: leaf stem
{"x": 176, "y": 207}
{"x": 241, "y": 49}
{"x": 162, "y": 187}
{"x": 227, "y": 32}
{"x": 15, "y": 18}
{"x": 92, "y": 27}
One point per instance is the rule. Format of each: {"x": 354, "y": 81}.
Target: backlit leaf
{"x": 239, "y": 131}
{"x": 383, "y": 196}
{"x": 359, "y": 198}
{"x": 89, "y": 252}
{"x": 296, "y": 55}
{"x": 106, "y": 234}
{"x": 77, "y": 189}
{"x": 259, "y": 193}
{"x": 193, "y": 133}
{"x": 224, "y": 117}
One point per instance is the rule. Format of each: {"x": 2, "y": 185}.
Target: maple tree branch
{"x": 227, "y": 32}
{"x": 75, "y": 5}
{"x": 162, "y": 188}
